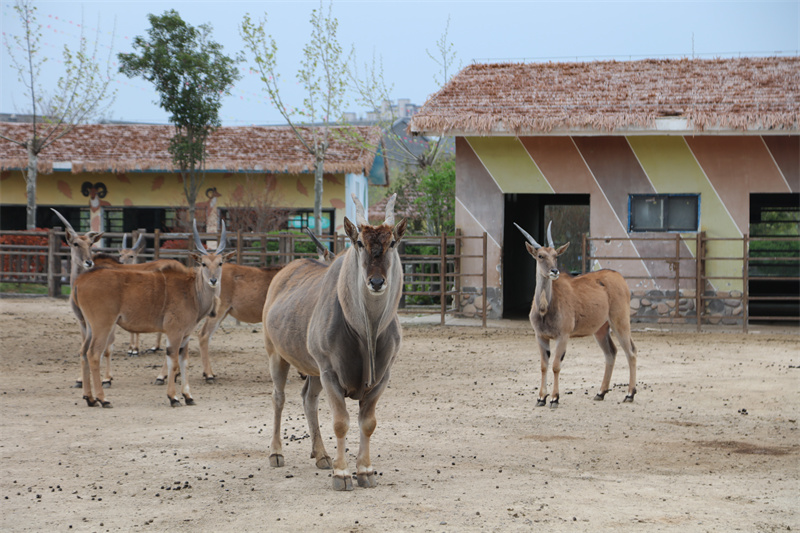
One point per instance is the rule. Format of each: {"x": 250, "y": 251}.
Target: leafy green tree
{"x": 191, "y": 74}
{"x": 321, "y": 74}
{"x": 82, "y": 93}
{"x": 437, "y": 201}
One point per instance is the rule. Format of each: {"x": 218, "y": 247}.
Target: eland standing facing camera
{"x": 337, "y": 324}
{"x": 564, "y": 306}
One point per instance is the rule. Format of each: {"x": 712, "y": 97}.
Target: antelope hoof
{"x": 276, "y": 460}
{"x": 154, "y": 349}
{"x": 174, "y": 402}
{"x": 189, "y": 401}
{"x": 209, "y": 379}
{"x": 106, "y": 405}
{"x": 367, "y": 481}
{"x": 553, "y": 403}
{"x": 541, "y": 402}
{"x": 324, "y": 463}
{"x": 600, "y": 396}
{"x": 91, "y": 402}
{"x": 133, "y": 353}
{"x": 78, "y": 385}
{"x": 106, "y": 383}
{"x": 160, "y": 381}
{"x": 342, "y": 483}
{"x": 629, "y": 397}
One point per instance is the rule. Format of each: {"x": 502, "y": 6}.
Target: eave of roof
{"x": 664, "y": 97}
{"x": 142, "y": 148}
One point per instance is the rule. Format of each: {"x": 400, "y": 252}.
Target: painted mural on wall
{"x": 158, "y": 189}
{"x": 721, "y": 170}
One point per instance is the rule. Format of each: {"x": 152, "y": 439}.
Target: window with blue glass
{"x": 664, "y": 212}
{"x": 301, "y": 219}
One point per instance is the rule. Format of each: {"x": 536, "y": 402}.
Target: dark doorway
{"x": 772, "y": 260}
{"x": 570, "y": 216}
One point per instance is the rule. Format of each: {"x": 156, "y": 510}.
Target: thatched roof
{"x": 128, "y": 148}
{"x": 603, "y": 96}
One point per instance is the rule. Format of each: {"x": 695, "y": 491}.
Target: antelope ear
{"x": 351, "y": 230}
{"x": 197, "y": 258}
{"x": 227, "y": 257}
{"x": 531, "y": 249}
{"x": 399, "y": 231}
{"x": 562, "y": 249}
{"x": 94, "y": 237}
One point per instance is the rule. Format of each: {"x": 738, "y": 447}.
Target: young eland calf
{"x": 565, "y": 306}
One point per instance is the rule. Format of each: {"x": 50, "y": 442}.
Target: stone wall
{"x": 472, "y": 302}
{"x": 659, "y": 306}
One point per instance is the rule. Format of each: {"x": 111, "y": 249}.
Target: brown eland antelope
{"x": 338, "y": 325}
{"x": 170, "y": 301}
{"x": 109, "y": 261}
{"x": 81, "y": 260}
{"x": 242, "y": 296}
{"x": 565, "y": 306}
{"x": 130, "y": 256}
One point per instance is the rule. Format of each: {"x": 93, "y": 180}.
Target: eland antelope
{"x": 337, "y": 324}
{"x": 564, "y": 306}
{"x": 170, "y": 301}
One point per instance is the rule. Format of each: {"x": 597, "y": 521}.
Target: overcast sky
{"x": 402, "y": 33}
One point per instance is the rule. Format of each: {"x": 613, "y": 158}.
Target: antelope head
{"x": 375, "y": 246}
{"x": 80, "y": 246}
{"x": 546, "y": 256}
{"x": 210, "y": 263}
{"x": 128, "y": 256}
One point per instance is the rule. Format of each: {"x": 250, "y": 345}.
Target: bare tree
{"x": 81, "y": 94}
{"x": 322, "y": 75}
{"x": 253, "y": 207}
{"x": 373, "y": 91}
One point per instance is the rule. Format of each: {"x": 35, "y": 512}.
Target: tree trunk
{"x": 319, "y": 165}
{"x": 30, "y": 182}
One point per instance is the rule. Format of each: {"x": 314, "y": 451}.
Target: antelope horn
{"x": 197, "y": 242}
{"x": 139, "y": 241}
{"x": 223, "y": 239}
{"x": 321, "y": 247}
{"x": 390, "y": 210}
{"x": 550, "y": 235}
{"x": 124, "y": 240}
{"x": 67, "y": 225}
{"x": 528, "y": 236}
{"x": 361, "y": 219}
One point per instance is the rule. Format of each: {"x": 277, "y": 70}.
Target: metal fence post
{"x": 442, "y": 278}
{"x": 156, "y": 244}
{"x": 698, "y": 277}
{"x": 745, "y": 281}
{"x": 485, "y": 268}
{"x": 53, "y": 287}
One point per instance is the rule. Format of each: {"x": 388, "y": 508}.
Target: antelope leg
{"x": 544, "y": 353}
{"x": 341, "y": 423}
{"x": 561, "y": 351}
{"x": 279, "y": 370}
{"x": 603, "y": 338}
{"x": 311, "y": 390}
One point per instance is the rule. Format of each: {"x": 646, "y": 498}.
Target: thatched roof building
{"x": 758, "y": 94}
{"x": 127, "y": 148}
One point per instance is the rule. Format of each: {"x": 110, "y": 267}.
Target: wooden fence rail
{"x": 431, "y": 265}
{"x": 759, "y": 276}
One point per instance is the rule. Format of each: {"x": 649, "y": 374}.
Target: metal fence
{"x": 705, "y": 280}
{"x": 679, "y": 280}
{"x": 431, "y": 265}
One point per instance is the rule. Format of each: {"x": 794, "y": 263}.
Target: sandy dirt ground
{"x": 710, "y": 444}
